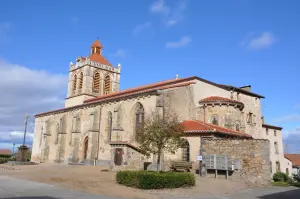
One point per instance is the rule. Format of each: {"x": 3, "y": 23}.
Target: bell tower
{"x": 91, "y": 76}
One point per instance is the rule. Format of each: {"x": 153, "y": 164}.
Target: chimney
{"x": 246, "y": 88}
{"x": 262, "y": 119}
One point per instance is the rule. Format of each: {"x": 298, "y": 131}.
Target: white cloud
{"x": 264, "y": 40}
{"x": 171, "y": 15}
{"x": 177, "y": 44}
{"x": 292, "y": 140}
{"x": 159, "y": 7}
{"x": 120, "y": 53}
{"x": 26, "y": 91}
{"x": 142, "y": 27}
{"x": 288, "y": 118}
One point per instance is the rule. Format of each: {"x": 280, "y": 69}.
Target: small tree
{"x": 158, "y": 134}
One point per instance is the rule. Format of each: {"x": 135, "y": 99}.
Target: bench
{"x": 181, "y": 165}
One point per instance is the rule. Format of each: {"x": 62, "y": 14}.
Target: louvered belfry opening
{"x": 80, "y": 80}
{"x": 96, "y": 86}
{"x": 74, "y": 83}
{"x": 107, "y": 87}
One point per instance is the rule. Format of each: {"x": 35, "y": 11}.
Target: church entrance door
{"x": 118, "y": 156}
{"x": 85, "y": 149}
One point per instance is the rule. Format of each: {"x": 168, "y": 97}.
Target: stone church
{"x": 97, "y": 124}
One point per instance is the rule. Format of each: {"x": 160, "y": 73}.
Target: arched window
{"x": 80, "y": 80}
{"x": 214, "y": 120}
{"x": 74, "y": 83}
{"x": 107, "y": 87}
{"x": 186, "y": 151}
{"x": 109, "y": 125}
{"x": 96, "y": 83}
{"x": 139, "y": 117}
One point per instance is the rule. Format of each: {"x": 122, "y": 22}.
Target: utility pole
{"x": 23, "y": 149}
{"x": 14, "y": 148}
{"x": 26, "y": 120}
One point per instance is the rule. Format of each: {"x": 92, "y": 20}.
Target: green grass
{"x": 280, "y": 184}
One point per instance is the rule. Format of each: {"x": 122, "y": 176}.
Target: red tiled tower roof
{"x": 97, "y": 56}
{"x": 97, "y": 44}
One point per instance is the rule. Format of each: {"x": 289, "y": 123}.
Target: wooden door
{"x": 118, "y": 156}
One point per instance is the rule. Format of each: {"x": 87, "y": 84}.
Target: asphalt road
{"x": 13, "y": 188}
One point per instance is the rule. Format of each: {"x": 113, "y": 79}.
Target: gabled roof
{"x": 199, "y": 127}
{"x": 271, "y": 127}
{"x": 230, "y": 87}
{"x": 140, "y": 90}
{"x": 294, "y": 158}
{"x": 152, "y": 88}
{"x": 144, "y": 89}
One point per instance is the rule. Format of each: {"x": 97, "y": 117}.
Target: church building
{"x": 98, "y": 122}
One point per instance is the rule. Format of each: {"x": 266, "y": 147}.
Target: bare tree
{"x": 160, "y": 134}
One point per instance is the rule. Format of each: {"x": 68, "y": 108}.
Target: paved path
{"x": 13, "y": 188}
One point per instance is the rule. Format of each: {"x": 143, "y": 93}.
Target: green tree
{"x": 160, "y": 134}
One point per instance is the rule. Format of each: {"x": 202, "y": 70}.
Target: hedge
{"x": 3, "y": 160}
{"x": 280, "y": 176}
{"x": 155, "y": 180}
{"x": 5, "y": 156}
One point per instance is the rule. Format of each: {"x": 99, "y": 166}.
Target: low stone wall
{"x": 253, "y": 156}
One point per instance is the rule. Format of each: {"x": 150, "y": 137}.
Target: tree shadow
{"x": 30, "y": 197}
{"x": 292, "y": 194}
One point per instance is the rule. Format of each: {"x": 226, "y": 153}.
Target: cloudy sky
{"x": 238, "y": 42}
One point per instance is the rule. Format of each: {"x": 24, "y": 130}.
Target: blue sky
{"x": 238, "y": 42}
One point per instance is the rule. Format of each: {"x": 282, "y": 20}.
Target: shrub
{"x": 3, "y": 160}
{"x": 280, "y": 176}
{"x": 154, "y": 180}
{"x": 296, "y": 177}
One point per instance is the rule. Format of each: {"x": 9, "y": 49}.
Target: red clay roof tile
{"x": 294, "y": 158}
{"x": 100, "y": 59}
{"x": 196, "y": 126}
{"x": 218, "y": 98}
{"x": 5, "y": 152}
{"x": 143, "y": 89}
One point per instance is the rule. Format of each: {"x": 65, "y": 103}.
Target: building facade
{"x": 98, "y": 121}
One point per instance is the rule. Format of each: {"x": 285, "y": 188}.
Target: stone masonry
{"x": 253, "y": 155}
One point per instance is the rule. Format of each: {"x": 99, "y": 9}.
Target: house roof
{"x": 230, "y": 87}
{"x": 199, "y": 127}
{"x": 271, "y": 126}
{"x": 144, "y": 89}
{"x": 152, "y": 88}
{"x": 138, "y": 90}
{"x": 294, "y": 158}
{"x": 219, "y": 99}
{"x": 5, "y": 152}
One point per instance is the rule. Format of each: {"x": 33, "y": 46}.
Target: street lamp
{"x": 26, "y": 119}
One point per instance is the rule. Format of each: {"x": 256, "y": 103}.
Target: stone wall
{"x": 253, "y": 156}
